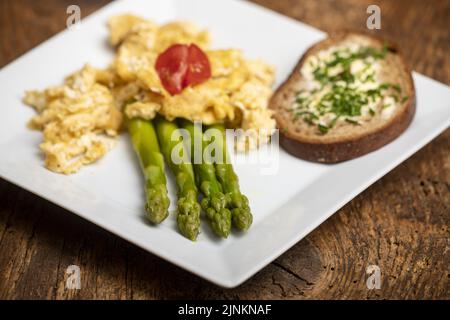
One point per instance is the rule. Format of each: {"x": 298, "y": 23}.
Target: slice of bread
{"x": 309, "y": 130}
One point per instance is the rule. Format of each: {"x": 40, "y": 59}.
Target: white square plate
{"x": 286, "y": 206}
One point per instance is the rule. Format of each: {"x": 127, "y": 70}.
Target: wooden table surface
{"x": 401, "y": 223}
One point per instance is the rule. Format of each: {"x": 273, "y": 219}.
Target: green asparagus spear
{"x": 214, "y": 202}
{"x": 241, "y": 215}
{"x": 188, "y": 215}
{"x": 145, "y": 144}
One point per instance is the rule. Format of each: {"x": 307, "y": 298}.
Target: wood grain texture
{"x": 401, "y": 223}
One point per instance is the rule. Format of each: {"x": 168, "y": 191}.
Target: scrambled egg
{"x": 81, "y": 118}
{"x": 237, "y": 93}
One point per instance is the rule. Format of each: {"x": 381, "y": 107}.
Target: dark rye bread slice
{"x": 348, "y": 141}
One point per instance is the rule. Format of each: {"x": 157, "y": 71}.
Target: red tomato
{"x": 171, "y": 66}
{"x": 181, "y": 66}
{"x": 199, "y": 69}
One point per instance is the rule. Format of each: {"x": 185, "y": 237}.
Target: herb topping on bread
{"x": 349, "y": 94}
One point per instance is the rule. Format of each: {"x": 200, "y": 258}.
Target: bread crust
{"x": 350, "y": 147}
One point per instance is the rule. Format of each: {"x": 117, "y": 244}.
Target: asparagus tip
{"x": 218, "y": 215}
{"x": 241, "y": 213}
{"x": 157, "y": 204}
{"x": 188, "y": 217}
{"x": 242, "y": 218}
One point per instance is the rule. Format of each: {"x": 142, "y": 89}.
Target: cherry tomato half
{"x": 182, "y": 65}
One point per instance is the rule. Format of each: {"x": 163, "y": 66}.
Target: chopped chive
{"x": 397, "y": 88}
{"x": 333, "y": 122}
{"x": 342, "y": 98}
{"x": 323, "y": 129}
{"x": 351, "y": 121}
